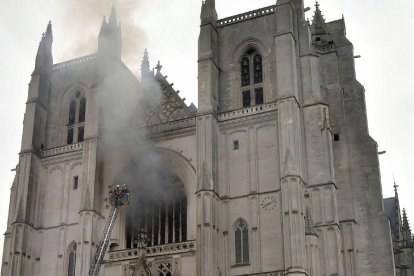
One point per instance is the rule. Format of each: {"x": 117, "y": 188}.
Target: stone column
{"x": 206, "y": 196}
{"x": 290, "y": 141}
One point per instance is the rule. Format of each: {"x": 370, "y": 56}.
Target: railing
{"x": 246, "y": 16}
{"x": 61, "y": 150}
{"x": 247, "y": 111}
{"x": 179, "y": 124}
{"x": 76, "y": 61}
{"x": 154, "y": 251}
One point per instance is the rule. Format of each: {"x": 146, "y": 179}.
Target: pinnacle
{"x": 145, "y": 62}
{"x": 318, "y": 22}
{"x": 405, "y": 220}
{"x": 49, "y": 29}
{"x": 112, "y": 17}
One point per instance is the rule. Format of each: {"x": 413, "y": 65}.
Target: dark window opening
{"x": 259, "y": 95}
{"x": 336, "y": 137}
{"x": 258, "y": 74}
{"x": 81, "y": 134}
{"x": 252, "y": 78}
{"x": 75, "y": 182}
{"x": 72, "y": 112}
{"x": 76, "y": 121}
{"x": 241, "y": 236}
{"x": 236, "y": 145}
{"x": 246, "y": 98}
{"x": 245, "y": 71}
{"x": 82, "y": 110}
{"x": 70, "y": 136}
{"x": 72, "y": 261}
{"x": 318, "y": 39}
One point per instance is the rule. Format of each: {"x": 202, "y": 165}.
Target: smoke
{"x": 127, "y": 155}
{"x": 81, "y": 22}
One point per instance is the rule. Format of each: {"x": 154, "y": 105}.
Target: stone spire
{"x": 44, "y": 57}
{"x": 103, "y": 26}
{"x": 49, "y": 33}
{"x": 145, "y": 62}
{"x": 145, "y": 67}
{"x": 318, "y": 22}
{"x": 113, "y": 18}
{"x": 109, "y": 42}
{"x": 208, "y": 12}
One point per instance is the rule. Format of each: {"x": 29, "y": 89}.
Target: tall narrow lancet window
{"x": 72, "y": 112}
{"x": 82, "y": 110}
{"x": 241, "y": 241}
{"x": 75, "y": 128}
{"x": 251, "y": 78}
{"x": 72, "y": 260}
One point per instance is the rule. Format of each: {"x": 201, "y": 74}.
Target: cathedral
{"x": 272, "y": 173}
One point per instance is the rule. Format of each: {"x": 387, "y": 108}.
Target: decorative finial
{"x": 158, "y": 67}
{"x": 395, "y": 189}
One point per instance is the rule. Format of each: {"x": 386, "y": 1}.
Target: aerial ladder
{"x": 117, "y": 198}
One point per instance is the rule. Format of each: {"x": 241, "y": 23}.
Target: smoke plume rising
{"x": 82, "y": 20}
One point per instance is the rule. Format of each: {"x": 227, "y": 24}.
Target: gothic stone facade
{"x": 278, "y": 171}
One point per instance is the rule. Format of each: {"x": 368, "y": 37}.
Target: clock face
{"x": 268, "y": 202}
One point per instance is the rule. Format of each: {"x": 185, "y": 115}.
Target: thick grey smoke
{"x": 127, "y": 154}
{"x": 82, "y": 21}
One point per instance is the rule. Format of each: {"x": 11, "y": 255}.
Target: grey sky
{"x": 381, "y": 31}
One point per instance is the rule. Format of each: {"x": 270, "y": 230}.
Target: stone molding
{"x": 246, "y": 16}
{"x": 154, "y": 251}
{"x": 76, "y": 61}
{"x": 62, "y": 149}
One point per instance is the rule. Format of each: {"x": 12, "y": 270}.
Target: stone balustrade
{"x": 174, "y": 125}
{"x": 153, "y": 251}
{"x": 69, "y": 63}
{"x": 251, "y": 110}
{"x": 61, "y": 150}
{"x": 246, "y": 16}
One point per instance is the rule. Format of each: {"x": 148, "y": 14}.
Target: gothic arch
{"x": 63, "y": 103}
{"x": 71, "y": 259}
{"x": 247, "y": 44}
{"x": 178, "y": 171}
{"x": 241, "y": 242}
{"x": 238, "y": 54}
{"x": 187, "y": 173}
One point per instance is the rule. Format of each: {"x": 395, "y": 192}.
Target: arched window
{"x": 72, "y": 260}
{"x": 251, "y": 78}
{"x": 163, "y": 218}
{"x": 241, "y": 242}
{"x": 75, "y": 128}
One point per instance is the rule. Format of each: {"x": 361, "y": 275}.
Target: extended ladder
{"x": 103, "y": 245}
{"x": 118, "y": 197}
